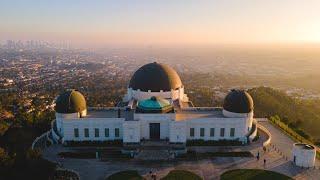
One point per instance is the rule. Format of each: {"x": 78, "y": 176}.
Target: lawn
{"x": 181, "y": 174}
{"x": 127, "y": 175}
{"x": 253, "y": 174}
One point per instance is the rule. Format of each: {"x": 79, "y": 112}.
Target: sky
{"x": 161, "y": 22}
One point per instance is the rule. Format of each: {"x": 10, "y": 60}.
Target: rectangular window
{"x": 222, "y": 132}
{"x": 96, "y": 132}
{"x": 106, "y": 132}
{"x": 76, "y": 132}
{"x": 232, "y": 131}
{"x": 211, "y": 132}
{"x": 86, "y": 132}
{"x": 116, "y": 132}
{"x": 191, "y": 132}
{"x": 201, "y": 132}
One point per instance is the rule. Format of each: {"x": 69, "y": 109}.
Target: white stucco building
{"x": 156, "y": 108}
{"x": 304, "y": 155}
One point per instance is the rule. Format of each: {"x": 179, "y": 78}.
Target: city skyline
{"x": 132, "y": 23}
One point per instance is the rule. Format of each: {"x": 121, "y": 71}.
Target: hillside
{"x": 298, "y": 114}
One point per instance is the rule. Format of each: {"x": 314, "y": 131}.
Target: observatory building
{"x": 155, "y": 107}
{"x": 304, "y": 155}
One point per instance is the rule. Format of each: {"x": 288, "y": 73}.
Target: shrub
{"x": 65, "y": 174}
{"x": 256, "y": 138}
{"x": 94, "y": 143}
{"x": 79, "y": 155}
{"x": 302, "y": 133}
{"x": 201, "y": 142}
{"x": 193, "y": 155}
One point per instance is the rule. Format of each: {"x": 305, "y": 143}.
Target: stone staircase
{"x": 113, "y": 154}
{"x": 157, "y": 150}
{"x": 153, "y": 155}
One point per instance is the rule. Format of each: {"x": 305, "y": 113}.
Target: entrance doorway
{"x": 154, "y": 131}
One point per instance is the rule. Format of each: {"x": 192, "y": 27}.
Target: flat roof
{"x": 304, "y": 146}
{"x": 194, "y": 113}
{"x": 181, "y": 114}
{"x": 105, "y": 113}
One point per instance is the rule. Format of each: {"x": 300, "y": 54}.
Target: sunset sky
{"x": 151, "y": 22}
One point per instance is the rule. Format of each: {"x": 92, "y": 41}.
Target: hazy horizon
{"x": 162, "y": 23}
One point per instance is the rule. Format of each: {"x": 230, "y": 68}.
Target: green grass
{"x": 181, "y": 175}
{"x": 127, "y": 175}
{"x": 253, "y": 174}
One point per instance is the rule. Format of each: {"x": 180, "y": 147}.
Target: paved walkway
{"x": 281, "y": 141}
{"x": 208, "y": 169}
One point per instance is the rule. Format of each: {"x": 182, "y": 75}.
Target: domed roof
{"x": 155, "y": 77}
{"x": 71, "y": 101}
{"x": 154, "y": 105}
{"x": 238, "y": 101}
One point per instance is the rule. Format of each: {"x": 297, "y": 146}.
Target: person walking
{"x": 155, "y": 175}
{"x": 264, "y": 163}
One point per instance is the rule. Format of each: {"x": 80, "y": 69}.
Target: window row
{"x": 96, "y": 132}
{"x": 212, "y": 132}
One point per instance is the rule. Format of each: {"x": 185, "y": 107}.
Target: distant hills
{"x": 301, "y": 115}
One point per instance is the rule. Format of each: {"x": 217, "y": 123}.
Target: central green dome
{"x": 70, "y": 101}
{"x": 154, "y": 105}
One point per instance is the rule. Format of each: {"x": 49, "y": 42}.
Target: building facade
{"x": 154, "y": 108}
